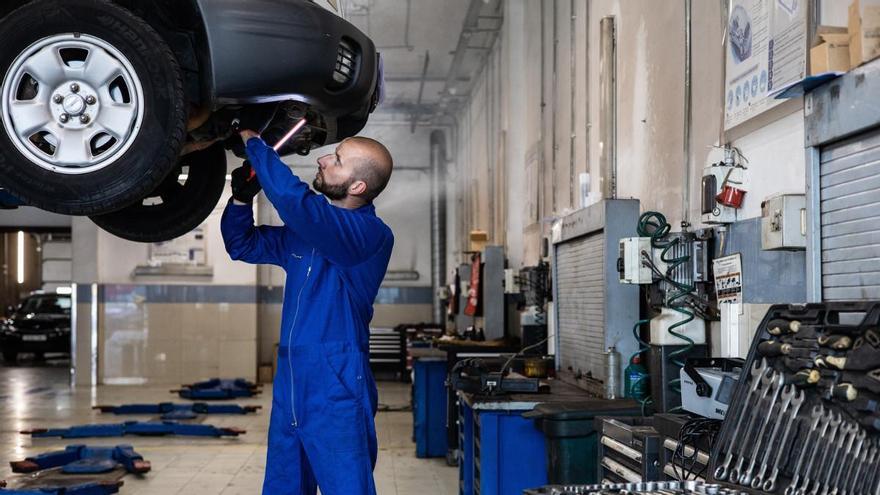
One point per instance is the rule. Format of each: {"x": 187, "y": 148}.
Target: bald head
{"x": 373, "y": 164}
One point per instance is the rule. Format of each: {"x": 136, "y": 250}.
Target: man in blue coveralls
{"x": 335, "y": 251}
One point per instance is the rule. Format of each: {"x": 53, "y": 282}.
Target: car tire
{"x": 10, "y": 357}
{"x": 173, "y": 209}
{"x": 129, "y": 131}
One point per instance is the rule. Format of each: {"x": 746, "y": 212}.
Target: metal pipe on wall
{"x": 608, "y": 107}
{"x": 688, "y": 117}
{"x": 438, "y": 219}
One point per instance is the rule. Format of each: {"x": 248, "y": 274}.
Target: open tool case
{"x": 805, "y": 418}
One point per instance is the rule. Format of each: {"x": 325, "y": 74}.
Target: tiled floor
{"x": 33, "y": 397}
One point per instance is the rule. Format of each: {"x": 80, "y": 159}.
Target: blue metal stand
{"x": 149, "y": 429}
{"x": 429, "y": 407}
{"x": 81, "y": 459}
{"x": 219, "y": 389}
{"x": 169, "y": 410}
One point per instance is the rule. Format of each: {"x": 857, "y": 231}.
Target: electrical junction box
{"x": 661, "y": 324}
{"x": 784, "y": 222}
{"x": 629, "y": 263}
{"x": 714, "y": 177}
{"x": 713, "y": 406}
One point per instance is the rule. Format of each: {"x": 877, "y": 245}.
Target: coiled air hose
{"x": 653, "y": 224}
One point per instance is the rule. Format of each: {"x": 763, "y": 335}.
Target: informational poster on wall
{"x": 766, "y": 50}
{"x": 189, "y": 249}
{"x": 728, "y": 279}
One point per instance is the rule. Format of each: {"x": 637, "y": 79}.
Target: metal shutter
{"x": 849, "y": 181}
{"x": 580, "y": 275}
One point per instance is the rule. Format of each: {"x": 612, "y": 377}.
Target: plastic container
{"x": 635, "y": 379}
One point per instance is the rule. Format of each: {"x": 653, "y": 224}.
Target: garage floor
{"x": 32, "y": 397}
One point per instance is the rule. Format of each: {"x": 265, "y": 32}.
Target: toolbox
{"x": 628, "y": 449}
{"x": 805, "y": 417}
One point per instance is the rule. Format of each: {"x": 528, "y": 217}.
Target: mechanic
{"x": 335, "y": 251}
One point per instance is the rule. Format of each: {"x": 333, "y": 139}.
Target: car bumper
{"x": 272, "y": 50}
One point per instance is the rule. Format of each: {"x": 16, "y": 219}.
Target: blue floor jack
{"x": 80, "y": 460}
{"x": 100, "y": 488}
{"x": 139, "y": 428}
{"x": 219, "y": 389}
{"x": 171, "y": 411}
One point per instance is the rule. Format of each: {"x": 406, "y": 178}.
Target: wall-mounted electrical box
{"x": 784, "y": 222}
{"x": 629, "y": 263}
{"x": 714, "y": 176}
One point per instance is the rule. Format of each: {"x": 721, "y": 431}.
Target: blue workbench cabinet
{"x": 429, "y": 407}
{"x": 503, "y": 453}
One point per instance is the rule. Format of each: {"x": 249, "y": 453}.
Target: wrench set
{"x": 806, "y": 416}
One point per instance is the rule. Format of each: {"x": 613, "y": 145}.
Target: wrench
{"x": 789, "y": 393}
{"x": 776, "y": 384}
{"x": 856, "y": 451}
{"x": 816, "y": 415}
{"x": 854, "y": 434}
{"x": 829, "y": 417}
{"x": 826, "y": 446}
{"x": 758, "y": 370}
{"x": 770, "y": 483}
{"x": 868, "y": 458}
{"x": 848, "y": 431}
{"x": 766, "y": 382}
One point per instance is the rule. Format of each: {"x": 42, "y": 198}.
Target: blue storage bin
{"x": 429, "y": 408}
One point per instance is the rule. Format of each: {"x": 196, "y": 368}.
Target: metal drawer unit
{"x": 388, "y": 350}
{"x": 628, "y": 450}
{"x": 593, "y": 310}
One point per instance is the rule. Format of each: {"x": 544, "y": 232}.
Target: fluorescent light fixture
{"x": 20, "y": 261}
{"x": 64, "y": 291}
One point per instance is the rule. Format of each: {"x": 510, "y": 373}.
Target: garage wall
{"x": 546, "y": 121}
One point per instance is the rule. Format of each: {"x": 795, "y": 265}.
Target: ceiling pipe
{"x": 608, "y": 107}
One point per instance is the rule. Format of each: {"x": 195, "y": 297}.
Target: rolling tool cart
{"x": 629, "y": 450}
{"x": 642, "y": 488}
{"x": 806, "y": 417}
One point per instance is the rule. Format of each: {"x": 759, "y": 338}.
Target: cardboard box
{"x": 832, "y": 54}
{"x": 864, "y": 31}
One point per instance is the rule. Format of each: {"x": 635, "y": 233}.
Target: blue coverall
{"x": 322, "y": 430}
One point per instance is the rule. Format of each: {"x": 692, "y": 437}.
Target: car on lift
{"x": 124, "y": 110}
{"x": 39, "y": 325}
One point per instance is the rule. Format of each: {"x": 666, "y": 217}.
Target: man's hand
{"x": 245, "y": 185}
{"x": 246, "y": 135}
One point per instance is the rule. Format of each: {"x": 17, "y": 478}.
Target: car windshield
{"x": 46, "y": 305}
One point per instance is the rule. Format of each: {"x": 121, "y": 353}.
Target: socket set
{"x": 806, "y": 415}
{"x": 643, "y": 488}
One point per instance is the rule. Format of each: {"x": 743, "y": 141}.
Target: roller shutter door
{"x": 849, "y": 181}
{"x": 580, "y": 276}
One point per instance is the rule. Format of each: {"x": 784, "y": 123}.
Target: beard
{"x": 333, "y": 192}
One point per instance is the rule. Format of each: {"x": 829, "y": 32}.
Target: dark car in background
{"x": 123, "y": 110}
{"x": 39, "y": 325}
